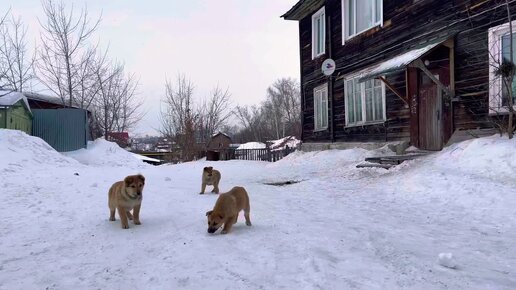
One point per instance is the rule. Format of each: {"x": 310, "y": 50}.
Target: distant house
{"x": 405, "y": 70}
{"x": 64, "y": 127}
{"x": 165, "y": 144}
{"x": 289, "y": 142}
{"x": 121, "y": 138}
{"x": 15, "y": 112}
{"x": 218, "y": 145}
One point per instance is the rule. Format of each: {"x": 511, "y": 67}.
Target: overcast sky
{"x": 240, "y": 44}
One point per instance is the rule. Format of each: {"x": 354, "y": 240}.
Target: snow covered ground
{"x": 443, "y": 222}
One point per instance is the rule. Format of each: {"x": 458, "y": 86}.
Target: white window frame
{"x": 317, "y": 111}
{"x": 363, "y": 122}
{"x": 345, "y": 4}
{"x": 495, "y": 35}
{"x": 315, "y": 33}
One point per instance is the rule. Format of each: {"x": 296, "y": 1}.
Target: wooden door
{"x": 430, "y": 114}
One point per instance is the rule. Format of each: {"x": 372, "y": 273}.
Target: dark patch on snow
{"x": 283, "y": 183}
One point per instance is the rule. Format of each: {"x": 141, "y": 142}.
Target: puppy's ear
{"x": 128, "y": 180}
{"x": 141, "y": 177}
{"x": 208, "y": 212}
{"x": 210, "y": 168}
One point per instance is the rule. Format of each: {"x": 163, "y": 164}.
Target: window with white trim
{"x": 321, "y": 107}
{"x": 500, "y": 53}
{"x": 365, "y": 102}
{"x": 359, "y": 16}
{"x": 318, "y": 33}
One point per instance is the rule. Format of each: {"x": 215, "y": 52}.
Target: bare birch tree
{"x": 63, "y": 51}
{"x": 214, "y": 113}
{"x": 116, "y": 107}
{"x": 15, "y": 61}
{"x": 284, "y": 108}
{"x": 178, "y": 118}
{"x": 251, "y": 120}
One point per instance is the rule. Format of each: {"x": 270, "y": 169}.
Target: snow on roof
{"x": 50, "y": 99}
{"x": 397, "y": 62}
{"x": 220, "y": 133}
{"x": 9, "y": 98}
{"x": 252, "y": 145}
{"x": 290, "y": 141}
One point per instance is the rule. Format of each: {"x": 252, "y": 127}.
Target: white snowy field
{"x": 338, "y": 228}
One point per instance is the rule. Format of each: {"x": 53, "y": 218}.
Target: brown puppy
{"x": 126, "y": 196}
{"x": 226, "y": 210}
{"x": 210, "y": 176}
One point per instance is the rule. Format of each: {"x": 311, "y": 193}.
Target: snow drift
{"x": 104, "y": 153}
{"x": 21, "y": 151}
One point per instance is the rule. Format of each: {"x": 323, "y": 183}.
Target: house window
{"x": 500, "y": 54}
{"x": 318, "y": 33}
{"x": 365, "y": 102}
{"x": 321, "y": 107}
{"x": 359, "y": 16}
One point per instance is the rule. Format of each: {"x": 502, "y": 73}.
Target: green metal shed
{"x": 64, "y": 129}
{"x": 15, "y": 112}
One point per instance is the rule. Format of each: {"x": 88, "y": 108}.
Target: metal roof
{"x": 302, "y": 9}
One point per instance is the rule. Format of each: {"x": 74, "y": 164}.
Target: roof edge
{"x": 302, "y": 9}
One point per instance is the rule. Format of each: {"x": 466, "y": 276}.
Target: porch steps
{"x": 373, "y": 165}
{"x": 389, "y": 161}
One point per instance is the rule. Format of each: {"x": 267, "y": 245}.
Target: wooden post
{"x": 393, "y": 89}
{"x": 419, "y": 64}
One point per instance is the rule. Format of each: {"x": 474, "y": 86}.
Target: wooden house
{"x": 414, "y": 70}
{"x": 15, "y": 112}
{"x": 217, "y": 146}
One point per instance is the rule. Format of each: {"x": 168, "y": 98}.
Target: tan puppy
{"x": 126, "y": 196}
{"x": 210, "y": 176}
{"x": 226, "y": 210}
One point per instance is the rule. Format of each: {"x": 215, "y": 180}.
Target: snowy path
{"x": 340, "y": 228}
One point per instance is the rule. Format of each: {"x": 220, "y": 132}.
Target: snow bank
{"x": 19, "y": 150}
{"x": 252, "y": 145}
{"x": 104, "y": 153}
{"x": 387, "y": 229}
{"x": 489, "y": 156}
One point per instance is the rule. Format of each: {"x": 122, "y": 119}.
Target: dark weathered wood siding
{"x": 218, "y": 142}
{"x": 406, "y": 24}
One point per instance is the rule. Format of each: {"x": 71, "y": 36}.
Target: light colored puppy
{"x": 210, "y": 176}
{"x": 226, "y": 209}
{"x": 125, "y": 196}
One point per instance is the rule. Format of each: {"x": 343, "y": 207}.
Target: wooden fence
{"x": 265, "y": 154}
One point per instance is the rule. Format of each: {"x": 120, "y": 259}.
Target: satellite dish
{"x": 328, "y": 67}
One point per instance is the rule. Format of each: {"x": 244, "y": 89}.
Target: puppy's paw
{"x": 125, "y": 227}
{"x": 224, "y": 232}
{"x": 248, "y": 224}
{"x": 201, "y": 192}
{"x": 112, "y": 219}
{"x": 137, "y": 222}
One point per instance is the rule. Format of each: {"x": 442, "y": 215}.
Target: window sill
{"x": 320, "y": 129}
{"x": 362, "y": 124}
{"x": 501, "y": 111}
{"x": 346, "y": 39}
{"x": 314, "y": 57}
